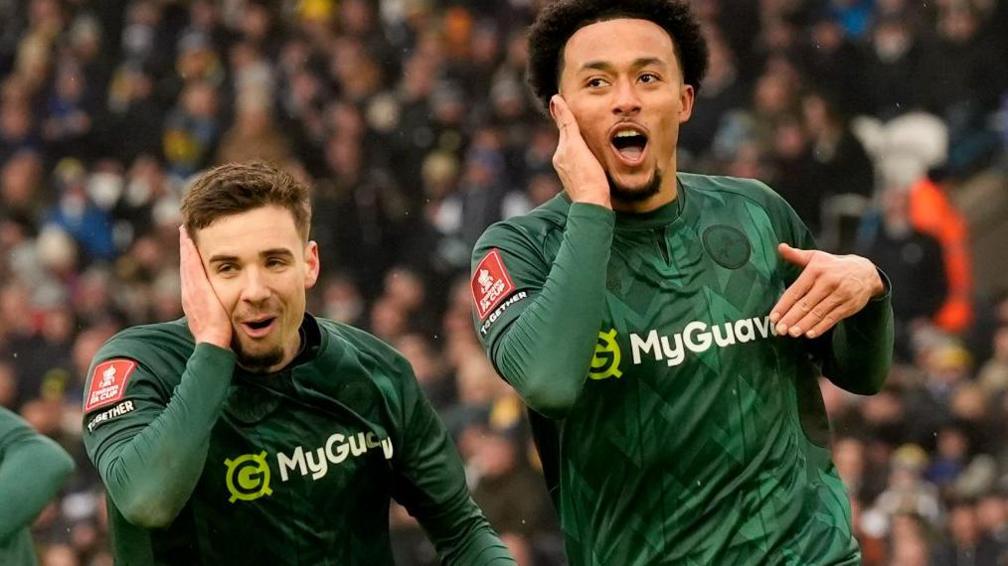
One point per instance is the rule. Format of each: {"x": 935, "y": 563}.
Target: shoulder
{"x": 370, "y": 370}
{"x": 149, "y": 343}
{"x": 152, "y": 357}
{"x": 534, "y": 226}
{"x": 527, "y": 236}
{"x": 723, "y": 187}
{"x": 12, "y": 429}
{"x": 550, "y": 215}
{"x": 750, "y": 198}
{"x": 363, "y": 346}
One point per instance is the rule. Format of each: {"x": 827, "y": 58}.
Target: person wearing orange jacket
{"x": 932, "y": 213}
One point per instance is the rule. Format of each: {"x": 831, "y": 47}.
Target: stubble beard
{"x": 629, "y": 195}
{"x": 258, "y": 362}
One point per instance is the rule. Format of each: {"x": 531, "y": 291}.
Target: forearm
{"x": 30, "y": 475}
{"x": 430, "y": 483}
{"x": 473, "y": 542}
{"x": 545, "y": 354}
{"x": 455, "y": 524}
{"x": 861, "y": 349}
{"x": 151, "y": 475}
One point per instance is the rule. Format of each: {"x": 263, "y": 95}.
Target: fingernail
{"x": 795, "y": 331}
{"x": 781, "y": 328}
{"x": 811, "y": 334}
{"x": 774, "y": 316}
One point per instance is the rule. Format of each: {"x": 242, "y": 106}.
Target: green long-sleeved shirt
{"x": 207, "y": 464}
{"x": 32, "y": 469}
{"x": 674, "y": 424}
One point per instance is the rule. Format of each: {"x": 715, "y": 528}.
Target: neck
{"x": 291, "y": 351}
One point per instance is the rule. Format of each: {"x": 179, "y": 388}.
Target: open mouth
{"x": 629, "y": 143}
{"x": 258, "y": 327}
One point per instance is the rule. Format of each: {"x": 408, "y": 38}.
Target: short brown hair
{"x": 234, "y": 188}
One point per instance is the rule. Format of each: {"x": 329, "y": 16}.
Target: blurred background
{"x": 883, "y": 122}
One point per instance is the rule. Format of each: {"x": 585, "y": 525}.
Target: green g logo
{"x": 248, "y": 477}
{"x": 606, "y": 362}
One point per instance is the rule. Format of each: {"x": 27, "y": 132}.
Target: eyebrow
{"x": 637, "y": 64}
{"x": 221, "y": 258}
{"x": 276, "y": 251}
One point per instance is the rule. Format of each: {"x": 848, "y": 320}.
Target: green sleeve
{"x": 430, "y": 483}
{"x": 543, "y": 345}
{"x": 856, "y": 354}
{"x": 861, "y": 347}
{"x": 151, "y": 458}
{"x": 32, "y": 469}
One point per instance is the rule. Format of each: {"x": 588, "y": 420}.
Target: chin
{"x": 258, "y": 358}
{"x": 635, "y": 189}
{"x": 633, "y": 184}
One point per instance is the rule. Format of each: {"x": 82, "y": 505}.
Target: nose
{"x": 256, "y": 288}
{"x": 626, "y": 102}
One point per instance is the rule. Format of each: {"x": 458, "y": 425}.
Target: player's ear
{"x": 687, "y": 94}
{"x": 312, "y": 264}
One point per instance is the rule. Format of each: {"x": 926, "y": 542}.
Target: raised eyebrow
{"x": 223, "y": 258}
{"x": 277, "y": 252}
{"x": 598, "y": 66}
{"x": 648, "y": 62}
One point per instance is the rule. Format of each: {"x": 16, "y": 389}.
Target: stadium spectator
{"x": 913, "y": 261}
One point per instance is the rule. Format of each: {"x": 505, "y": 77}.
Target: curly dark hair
{"x": 558, "y": 22}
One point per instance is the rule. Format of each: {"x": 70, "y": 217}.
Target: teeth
{"x": 627, "y": 133}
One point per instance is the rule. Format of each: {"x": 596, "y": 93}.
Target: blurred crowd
{"x": 883, "y": 122}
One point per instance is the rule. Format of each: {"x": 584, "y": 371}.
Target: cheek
{"x": 669, "y": 128}
{"x": 293, "y": 294}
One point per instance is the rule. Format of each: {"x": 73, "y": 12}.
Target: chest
{"x": 680, "y": 291}
{"x": 276, "y": 452}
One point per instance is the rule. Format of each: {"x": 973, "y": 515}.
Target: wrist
{"x": 878, "y": 286}
{"x": 598, "y": 200}
{"x": 221, "y": 342}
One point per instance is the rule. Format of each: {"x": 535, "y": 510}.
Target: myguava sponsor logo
{"x": 606, "y": 361}
{"x": 336, "y": 449}
{"x": 248, "y": 476}
{"x": 698, "y": 337}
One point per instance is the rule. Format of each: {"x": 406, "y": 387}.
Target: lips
{"x": 259, "y": 326}
{"x": 629, "y": 143}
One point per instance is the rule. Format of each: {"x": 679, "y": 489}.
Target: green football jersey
{"x": 300, "y": 465}
{"x": 32, "y": 469}
{"x": 699, "y": 436}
